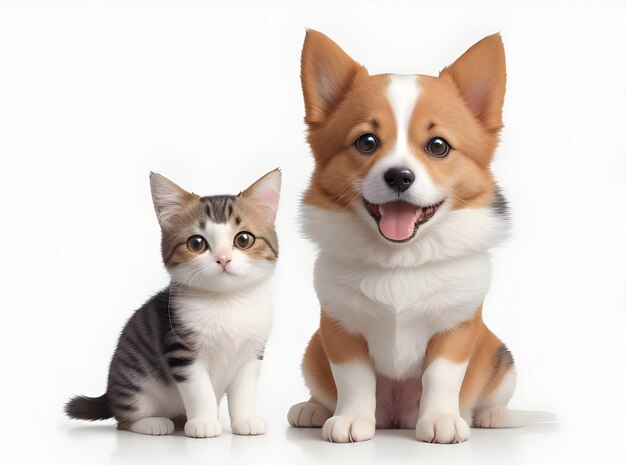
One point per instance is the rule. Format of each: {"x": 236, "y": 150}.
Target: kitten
{"x": 205, "y": 334}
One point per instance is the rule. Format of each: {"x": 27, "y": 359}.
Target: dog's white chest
{"x": 399, "y": 309}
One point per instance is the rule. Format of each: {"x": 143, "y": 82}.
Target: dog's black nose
{"x": 399, "y": 178}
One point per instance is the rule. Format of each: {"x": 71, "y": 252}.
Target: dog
{"x": 403, "y": 208}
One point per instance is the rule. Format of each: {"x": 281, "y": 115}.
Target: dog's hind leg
{"x": 319, "y": 379}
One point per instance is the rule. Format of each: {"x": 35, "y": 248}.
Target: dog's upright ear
{"x": 480, "y": 76}
{"x": 327, "y": 74}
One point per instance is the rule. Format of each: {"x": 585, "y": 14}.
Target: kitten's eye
{"x": 197, "y": 244}
{"x": 438, "y": 147}
{"x": 244, "y": 240}
{"x": 366, "y": 143}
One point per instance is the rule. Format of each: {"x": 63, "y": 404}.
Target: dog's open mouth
{"x": 398, "y": 221}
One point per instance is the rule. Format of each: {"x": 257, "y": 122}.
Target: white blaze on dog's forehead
{"x": 402, "y": 93}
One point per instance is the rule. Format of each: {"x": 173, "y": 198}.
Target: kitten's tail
{"x": 89, "y": 408}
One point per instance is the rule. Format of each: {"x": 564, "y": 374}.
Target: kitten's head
{"x": 218, "y": 243}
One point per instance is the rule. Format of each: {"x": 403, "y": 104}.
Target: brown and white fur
{"x": 401, "y": 342}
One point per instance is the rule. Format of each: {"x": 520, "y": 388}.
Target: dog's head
{"x": 399, "y": 151}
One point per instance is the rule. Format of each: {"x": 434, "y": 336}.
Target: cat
{"x": 204, "y": 335}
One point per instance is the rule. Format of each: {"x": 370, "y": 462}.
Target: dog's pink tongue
{"x": 398, "y": 220}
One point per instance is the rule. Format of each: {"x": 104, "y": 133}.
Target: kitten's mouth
{"x": 398, "y": 221}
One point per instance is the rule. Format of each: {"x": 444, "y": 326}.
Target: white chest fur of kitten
{"x": 231, "y": 329}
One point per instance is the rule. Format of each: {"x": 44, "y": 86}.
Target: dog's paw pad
{"x": 445, "y": 429}
{"x": 343, "y": 428}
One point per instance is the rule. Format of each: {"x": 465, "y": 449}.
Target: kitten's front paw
{"x": 445, "y": 429}
{"x": 343, "y": 428}
{"x": 203, "y": 428}
{"x": 248, "y": 426}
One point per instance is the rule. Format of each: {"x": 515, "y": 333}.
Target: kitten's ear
{"x": 167, "y": 197}
{"x": 480, "y": 76}
{"x": 265, "y": 194}
{"x": 327, "y": 74}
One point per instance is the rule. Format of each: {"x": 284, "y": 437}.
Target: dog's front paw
{"x": 343, "y": 428}
{"x": 201, "y": 428}
{"x": 248, "y": 426}
{"x": 445, "y": 429}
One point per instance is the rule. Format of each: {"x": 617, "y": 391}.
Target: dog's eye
{"x": 197, "y": 244}
{"x": 438, "y": 147}
{"x": 244, "y": 240}
{"x": 366, "y": 143}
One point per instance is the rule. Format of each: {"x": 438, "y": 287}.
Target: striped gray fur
{"x": 153, "y": 346}
{"x": 141, "y": 356}
{"x": 158, "y": 346}
{"x": 219, "y": 208}
{"x": 145, "y": 353}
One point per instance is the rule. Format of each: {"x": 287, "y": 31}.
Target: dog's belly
{"x": 397, "y": 402}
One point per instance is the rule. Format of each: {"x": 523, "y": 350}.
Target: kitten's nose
{"x": 399, "y": 178}
{"x": 223, "y": 261}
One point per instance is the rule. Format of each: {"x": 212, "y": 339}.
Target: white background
{"x": 95, "y": 94}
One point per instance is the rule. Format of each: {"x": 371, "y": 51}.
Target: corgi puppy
{"x": 403, "y": 208}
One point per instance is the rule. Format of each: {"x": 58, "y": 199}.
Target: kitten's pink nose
{"x": 223, "y": 261}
